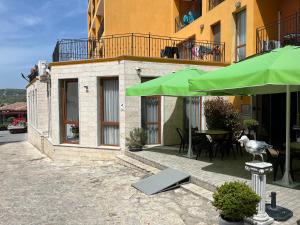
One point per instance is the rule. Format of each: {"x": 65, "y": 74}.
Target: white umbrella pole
{"x": 287, "y": 180}
{"x": 190, "y": 152}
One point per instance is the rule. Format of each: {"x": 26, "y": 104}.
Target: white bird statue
{"x": 254, "y": 147}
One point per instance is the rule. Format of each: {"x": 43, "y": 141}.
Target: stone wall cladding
{"x": 88, "y": 74}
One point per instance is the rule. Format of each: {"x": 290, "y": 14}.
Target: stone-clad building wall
{"x": 88, "y": 75}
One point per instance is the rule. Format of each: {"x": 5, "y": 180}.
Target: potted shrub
{"x": 251, "y": 126}
{"x": 235, "y": 201}
{"x": 136, "y": 140}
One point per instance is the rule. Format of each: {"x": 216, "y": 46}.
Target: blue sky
{"x": 29, "y": 30}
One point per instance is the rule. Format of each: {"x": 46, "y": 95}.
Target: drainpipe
{"x": 49, "y": 101}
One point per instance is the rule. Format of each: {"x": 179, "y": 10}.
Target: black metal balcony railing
{"x": 138, "y": 45}
{"x": 279, "y": 34}
{"x": 213, "y": 3}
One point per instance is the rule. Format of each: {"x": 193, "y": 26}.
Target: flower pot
{"x": 225, "y": 222}
{"x": 135, "y": 148}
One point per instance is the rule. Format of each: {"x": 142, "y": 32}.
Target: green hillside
{"x": 8, "y": 96}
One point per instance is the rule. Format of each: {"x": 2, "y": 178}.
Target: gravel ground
{"x": 36, "y": 190}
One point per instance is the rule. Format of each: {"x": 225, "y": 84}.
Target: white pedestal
{"x": 258, "y": 178}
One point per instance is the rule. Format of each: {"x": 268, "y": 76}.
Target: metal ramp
{"x": 163, "y": 181}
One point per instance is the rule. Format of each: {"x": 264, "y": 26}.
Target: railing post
{"x": 224, "y": 51}
{"x": 131, "y": 44}
{"x": 149, "y": 45}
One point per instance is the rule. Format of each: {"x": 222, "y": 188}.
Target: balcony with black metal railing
{"x": 139, "y": 45}
{"x": 279, "y": 34}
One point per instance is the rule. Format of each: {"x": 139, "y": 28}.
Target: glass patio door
{"x": 196, "y": 112}
{"x": 109, "y": 106}
{"x": 69, "y": 111}
{"x": 151, "y": 118}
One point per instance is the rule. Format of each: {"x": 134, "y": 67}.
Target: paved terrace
{"x": 212, "y": 174}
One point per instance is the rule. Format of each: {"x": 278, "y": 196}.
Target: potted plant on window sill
{"x": 235, "y": 201}
{"x": 136, "y": 140}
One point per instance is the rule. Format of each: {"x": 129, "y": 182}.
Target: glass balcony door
{"x": 240, "y": 35}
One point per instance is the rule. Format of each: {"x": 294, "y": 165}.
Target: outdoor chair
{"x": 236, "y": 143}
{"x": 203, "y": 144}
{"x": 183, "y": 140}
{"x": 277, "y": 159}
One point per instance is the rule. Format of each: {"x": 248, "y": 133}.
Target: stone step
{"x": 136, "y": 164}
{"x": 195, "y": 180}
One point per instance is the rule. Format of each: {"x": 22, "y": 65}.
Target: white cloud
{"x": 29, "y": 20}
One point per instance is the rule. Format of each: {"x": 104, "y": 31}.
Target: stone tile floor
{"x": 37, "y": 191}
{"x": 217, "y": 172}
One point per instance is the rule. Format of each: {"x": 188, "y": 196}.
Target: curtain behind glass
{"x": 241, "y": 34}
{"x": 196, "y": 112}
{"x": 111, "y": 111}
{"x": 72, "y": 101}
{"x": 150, "y": 118}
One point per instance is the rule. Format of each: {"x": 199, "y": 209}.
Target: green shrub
{"x": 221, "y": 114}
{"x": 235, "y": 201}
{"x": 137, "y": 138}
{"x": 250, "y": 123}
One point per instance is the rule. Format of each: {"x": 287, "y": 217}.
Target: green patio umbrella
{"x": 275, "y": 72}
{"x": 174, "y": 84}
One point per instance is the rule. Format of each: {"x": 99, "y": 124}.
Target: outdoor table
{"x": 217, "y": 136}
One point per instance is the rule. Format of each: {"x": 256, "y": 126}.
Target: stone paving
{"x": 37, "y": 191}
{"x": 212, "y": 174}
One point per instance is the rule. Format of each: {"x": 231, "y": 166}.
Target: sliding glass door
{"x": 109, "y": 108}
{"x": 69, "y": 111}
{"x": 151, "y": 117}
{"x": 196, "y": 112}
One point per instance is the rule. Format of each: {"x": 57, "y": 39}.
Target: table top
{"x": 212, "y": 132}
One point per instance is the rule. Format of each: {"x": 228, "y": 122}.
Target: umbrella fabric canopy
{"x": 274, "y": 72}
{"x": 265, "y": 74}
{"x": 174, "y": 84}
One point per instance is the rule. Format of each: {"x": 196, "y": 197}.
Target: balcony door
{"x": 69, "y": 111}
{"x": 109, "y": 111}
{"x": 240, "y": 20}
{"x": 216, "y": 32}
{"x": 151, "y": 117}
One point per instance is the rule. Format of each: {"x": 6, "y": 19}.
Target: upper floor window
{"x": 188, "y": 12}
{"x": 213, "y": 3}
{"x": 240, "y": 20}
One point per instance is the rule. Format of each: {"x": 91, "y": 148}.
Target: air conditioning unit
{"x": 42, "y": 66}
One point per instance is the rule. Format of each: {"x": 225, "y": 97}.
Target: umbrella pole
{"x": 287, "y": 180}
{"x": 190, "y": 152}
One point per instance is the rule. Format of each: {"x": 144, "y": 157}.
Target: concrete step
{"x": 136, "y": 164}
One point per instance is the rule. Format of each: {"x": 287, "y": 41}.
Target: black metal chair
{"x": 277, "y": 159}
{"x": 203, "y": 144}
{"x": 183, "y": 140}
